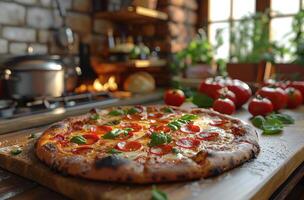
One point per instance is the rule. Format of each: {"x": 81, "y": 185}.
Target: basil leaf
{"x": 113, "y": 134}
{"x": 284, "y": 118}
{"x": 158, "y": 194}
{"x": 176, "y": 150}
{"x": 272, "y": 126}
{"x": 95, "y": 117}
{"x": 112, "y": 123}
{"x": 159, "y": 138}
{"x": 258, "y": 121}
{"x": 79, "y": 139}
{"x": 189, "y": 117}
{"x": 202, "y": 100}
{"x": 173, "y": 127}
{"x": 168, "y": 110}
{"x": 117, "y": 112}
{"x": 113, "y": 151}
{"x": 132, "y": 111}
{"x": 128, "y": 129}
{"x": 16, "y": 151}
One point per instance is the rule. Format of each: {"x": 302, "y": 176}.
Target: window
{"x": 224, "y": 14}
{"x": 281, "y": 23}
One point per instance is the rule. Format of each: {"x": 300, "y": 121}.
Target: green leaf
{"x": 79, "y": 139}
{"x": 158, "y": 194}
{"x": 202, "y": 100}
{"x": 284, "y": 118}
{"x": 159, "y": 138}
{"x": 189, "y": 117}
{"x": 272, "y": 126}
{"x": 32, "y": 136}
{"x": 176, "y": 150}
{"x": 16, "y": 151}
{"x": 113, "y": 151}
{"x": 112, "y": 123}
{"x": 113, "y": 134}
{"x": 258, "y": 121}
{"x": 173, "y": 127}
{"x": 132, "y": 111}
{"x": 168, "y": 110}
{"x": 117, "y": 112}
{"x": 95, "y": 117}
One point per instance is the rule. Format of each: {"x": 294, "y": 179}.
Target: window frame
{"x": 260, "y": 6}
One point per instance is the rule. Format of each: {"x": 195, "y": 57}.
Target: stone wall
{"x": 32, "y": 23}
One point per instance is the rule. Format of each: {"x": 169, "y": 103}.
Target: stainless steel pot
{"x": 34, "y": 76}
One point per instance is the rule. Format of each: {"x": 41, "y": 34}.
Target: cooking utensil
{"x": 65, "y": 36}
{"x": 34, "y": 76}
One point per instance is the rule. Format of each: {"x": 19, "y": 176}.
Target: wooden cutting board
{"x": 280, "y": 155}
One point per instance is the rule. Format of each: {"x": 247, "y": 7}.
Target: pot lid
{"x": 34, "y": 62}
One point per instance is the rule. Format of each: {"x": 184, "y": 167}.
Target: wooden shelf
{"x": 133, "y": 14}
{"x": 120, "y": 67}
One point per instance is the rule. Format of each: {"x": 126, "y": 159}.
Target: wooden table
{"x": 281, "y": 160}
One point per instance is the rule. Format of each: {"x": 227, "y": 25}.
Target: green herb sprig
{"x": 273, "y": 123}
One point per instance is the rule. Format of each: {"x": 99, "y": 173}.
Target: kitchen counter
{"x": 8, "y": 125}
{"x": 278, "y": 166}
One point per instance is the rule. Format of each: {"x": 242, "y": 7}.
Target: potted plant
{"x": 251, "y": 48}
{"x": 195, "y": 62}
{"x": 295, "y": 69}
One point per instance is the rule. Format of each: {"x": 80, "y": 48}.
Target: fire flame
{"x": 97, "y": 86}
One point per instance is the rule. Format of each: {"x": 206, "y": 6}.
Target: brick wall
{"x": 32, "y": 23}
{"x": 182, "y": 23}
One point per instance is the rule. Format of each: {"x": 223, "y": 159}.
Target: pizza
{"x": 147, "y": 144}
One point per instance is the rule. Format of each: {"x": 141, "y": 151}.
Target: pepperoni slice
{"x": 208, "y": 136}
{"x": 155, "y": 115}
{"x": 103, "y": 129}
{"x": 190, "y": 128}
{"x": 161, "y": 149}
{"x": 218, "y": 122}
{"x": 128, "y": 146}
{"x": 91, "y": 138}
{"x": 161, "y": 128}
{"x": 188, "y": 143}
{"x": 82, "y": 150}
{"x": 134, "y": 126}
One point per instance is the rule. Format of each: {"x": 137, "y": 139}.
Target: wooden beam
{"x": 262, "y": 5}
{"x": 202, "y": 14}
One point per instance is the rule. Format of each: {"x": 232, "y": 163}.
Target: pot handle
{"x": 6, "y": 74}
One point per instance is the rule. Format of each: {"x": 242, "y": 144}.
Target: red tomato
{"x": 277, "y": 96}
{"x": 190, "y": 128}
{"x": 210, "y": 87}
{"x": 187, "y": 143}
{"x": 225, "y": 93}
{"x": 225, "y": 106}
{"x": 208, "y": 136}
{"x": 260, "y": 106}
{"x": 241, "y": 90}
{"x": 274, "y": 83}
{"x": 161, "y": 149}
{"x": 300, "y": 86}
{"x": 82, "y": 150}
{"x": 174, "y": 97}
{"x": 128, "y": 146}
{"x": 295, "y": 98}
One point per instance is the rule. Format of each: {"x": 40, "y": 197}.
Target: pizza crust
{"x": 116, "y": 168}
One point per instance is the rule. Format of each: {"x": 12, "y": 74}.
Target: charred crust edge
{"x": 112, "y": 162}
